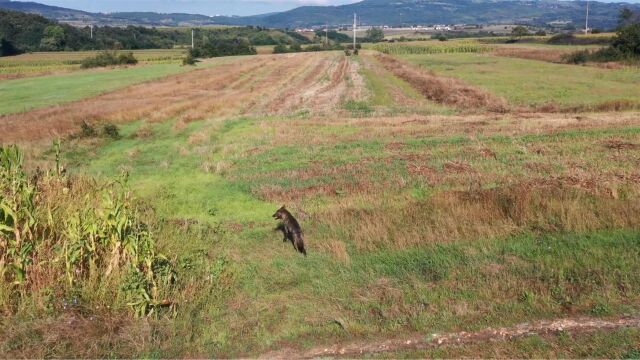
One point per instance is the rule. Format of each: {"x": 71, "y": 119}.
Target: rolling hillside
{"x": 372, "y": 12}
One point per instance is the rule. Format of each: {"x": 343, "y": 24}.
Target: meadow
{"x": 436, "y": 194}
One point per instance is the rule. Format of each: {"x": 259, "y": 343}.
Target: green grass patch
{"x": 531, "y": 82}
{"x": 29, "y": 93}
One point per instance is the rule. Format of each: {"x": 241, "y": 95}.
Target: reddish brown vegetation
{"x": 541, "y": 54}
{"x": 444, "y": 90}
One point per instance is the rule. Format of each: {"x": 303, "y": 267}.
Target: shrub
{"x": 111, "y": 131}
{"x": 189, "y": 60}
{"x": 440, "y": 37}
{"x": 280, "y": 49}
{"x": 520, "y": 31}
{"x": 577, "y": 57}
{"x": 562, "y": 39}
{"x": 109, "y": 58}
{"x": 627, "y": 40}
{"x": 87, "y": 130}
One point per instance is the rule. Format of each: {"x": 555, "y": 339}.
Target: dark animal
{"x": 291, "y": 229}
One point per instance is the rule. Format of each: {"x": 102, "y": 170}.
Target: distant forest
{"x": 22, "y": 32}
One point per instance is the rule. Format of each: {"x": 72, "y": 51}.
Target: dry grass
{"x": 553, "y": 55}
{"x": 248, "y": 85}
{"x": 444, "y": 90}
{"x": 477, "y": 176}
{"x": 549, "y": 206}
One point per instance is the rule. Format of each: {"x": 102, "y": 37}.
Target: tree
{"x": 519, "y": 31}
{"x": 628, "y": 17}
{"x": 375, "y": 34}
{"x": 7, "y": 48}
{"x": 627, "y": 40}
{"x": 53, "y": 38}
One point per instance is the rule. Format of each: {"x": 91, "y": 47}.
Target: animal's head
{"x": 280, "y": 214}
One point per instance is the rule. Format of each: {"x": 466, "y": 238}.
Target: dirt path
{"x": 418, "y": 342}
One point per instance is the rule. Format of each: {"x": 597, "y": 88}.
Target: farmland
{"x": 441, "y": 191}
{"x": 42, "y": 63}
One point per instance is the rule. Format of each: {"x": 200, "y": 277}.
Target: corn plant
{"x": 431, "y": 48}
{"x": 94, "y": 233}
{"x": 17, "y": 220}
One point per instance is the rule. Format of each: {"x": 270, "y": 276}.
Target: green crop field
{"x": 438, "y": 219}
{"x": 23, "y": 94}
{"x": 531, "y": 82}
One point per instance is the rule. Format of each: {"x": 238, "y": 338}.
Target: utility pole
{"x": 91, "y": 31}
{"x": 355, "y": 26}
{"x": 586, "y": 24}
{"x": 193, "y": 43}
{"x": 326, "y": 35}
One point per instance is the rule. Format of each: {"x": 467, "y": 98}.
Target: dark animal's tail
{"x": 300, "y": 246}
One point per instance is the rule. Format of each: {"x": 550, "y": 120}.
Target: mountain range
{"x": 370, "y": 12}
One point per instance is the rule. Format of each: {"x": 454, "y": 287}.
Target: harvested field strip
{"x": 429, "y": 341}
{"x": 444, "y": 90}
{"x": 246, "y": 85}
{"x": 533, "y": 53}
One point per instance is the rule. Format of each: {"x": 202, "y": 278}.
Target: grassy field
{"x": 421, "y": 215}
{"x": 24, "y": 94}
{"x": 530, "y": 82}
{"x": 40, "y": 63}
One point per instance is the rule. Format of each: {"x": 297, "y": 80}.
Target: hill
{"x": 410, "y": 12}
{"x": 78, "y": 17}
{"x": 23, "y": 32}
{"x": 372, "y": 12}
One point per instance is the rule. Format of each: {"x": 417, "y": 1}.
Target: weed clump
{"x": 111, "y": 131}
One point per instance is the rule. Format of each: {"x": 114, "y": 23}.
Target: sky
{"x": 206, "y": 7}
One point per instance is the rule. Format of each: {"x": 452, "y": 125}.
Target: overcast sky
{"x": 207, "y": 7}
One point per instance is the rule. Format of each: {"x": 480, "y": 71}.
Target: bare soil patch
{"x": 430, "y": 341}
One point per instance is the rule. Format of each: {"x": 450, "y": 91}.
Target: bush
{"x": 111, "y": 131}
{"x": 224, "y": 47}
{"x": 87, "y": 130}
{"x": 562, "y": 39}
{"x": 280, "y": 49}
{"x": 627, "y": 41}
{"x": 577, "y": 57}
{"x": 189, "y": 60}
{"x": 109, "y": 58}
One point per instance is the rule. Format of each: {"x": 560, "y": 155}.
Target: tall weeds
{"x": 65, "y": 235}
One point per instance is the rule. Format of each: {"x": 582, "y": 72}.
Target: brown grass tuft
{"x": 444, "y": 90}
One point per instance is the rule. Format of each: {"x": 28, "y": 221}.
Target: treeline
{"x": 22, "y": 32}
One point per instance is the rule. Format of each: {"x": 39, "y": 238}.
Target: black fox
{"x": 291, "y": 229}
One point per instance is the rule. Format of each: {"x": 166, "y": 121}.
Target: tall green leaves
{"x": 86, "y": 232}
{"x": 17, "y": 220}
